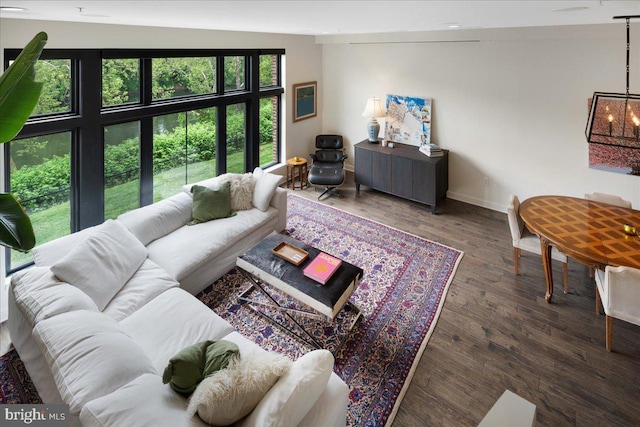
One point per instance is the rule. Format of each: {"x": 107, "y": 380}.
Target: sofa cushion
{"x": 51, "y": 252}
{"x": 266, "y": 184}
{"x": 158, "y": 219}
{"x": 289, "y": 400}
{"x": 144, "y": 402}
{"x": 172, "y": 321}
{"x": 89, "y": 355}
{"x": 203, "y": 243}
{"x": 102, "y": 263}
{"x": 197, "y": 361}
{"x": 209, "y": 183}
{"x": 147, "y": 282}
{"x": 230, "y": 394}
{"x": 209, "y": 204}
{"x": 39, "y": 295}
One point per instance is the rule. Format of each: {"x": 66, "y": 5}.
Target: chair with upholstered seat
{"x": 524, "y": 240}
{"x": 618, "y": 292}
{"x": 327, "y": 169}
{"x": 608, "y": 198}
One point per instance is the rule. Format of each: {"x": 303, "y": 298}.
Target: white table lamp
{"x": 373, "y": 109}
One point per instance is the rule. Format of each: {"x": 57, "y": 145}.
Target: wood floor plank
{"x": 497, "y": 332}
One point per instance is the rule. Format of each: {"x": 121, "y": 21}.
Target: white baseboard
{"x": 477, "y": 202}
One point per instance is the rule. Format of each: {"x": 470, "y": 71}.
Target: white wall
{"x": 511, "y": 105}
{"x": 303, "y": 56}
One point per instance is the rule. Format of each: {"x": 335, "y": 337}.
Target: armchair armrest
{"x": 279, "y": 201}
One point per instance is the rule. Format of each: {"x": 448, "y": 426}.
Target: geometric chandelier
{"x": 614, "y": 118}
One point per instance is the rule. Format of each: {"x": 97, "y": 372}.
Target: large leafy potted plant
{"x": 19, "y": 94}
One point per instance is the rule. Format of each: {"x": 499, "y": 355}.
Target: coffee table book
{"x": 322, "y": 267}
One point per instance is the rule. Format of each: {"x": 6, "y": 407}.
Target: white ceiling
{"x": 326, "y": 17}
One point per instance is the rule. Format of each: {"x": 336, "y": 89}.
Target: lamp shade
{"x": 374, "y": 108}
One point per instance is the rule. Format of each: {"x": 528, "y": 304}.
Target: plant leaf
{"x": 19, "y": 92}
{"x": 16, "y": 109}
{"x": 16, "y": 231}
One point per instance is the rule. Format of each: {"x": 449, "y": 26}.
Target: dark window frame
{"x": 88, "y": 117}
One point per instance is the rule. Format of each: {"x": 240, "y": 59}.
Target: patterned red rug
{"x": 401, "y": 295}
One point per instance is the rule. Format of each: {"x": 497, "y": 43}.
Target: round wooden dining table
{"x": 589, "y": 232}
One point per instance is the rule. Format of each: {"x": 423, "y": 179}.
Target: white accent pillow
{"x": 89, "y": 355}
{"x": 103, "y": 262}
{"x": 291, "y": 398}
{"x": 230, "y": 394}
{"x": 242, "y": 186}
{"x": 40, "y": 295}
{"x": 266, "y": 184}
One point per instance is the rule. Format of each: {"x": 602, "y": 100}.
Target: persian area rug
{"x": 405, "y": 282}
{"x": 15, "y": 383}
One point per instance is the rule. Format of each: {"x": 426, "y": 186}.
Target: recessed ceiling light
{"x": 12, "y": 9}
{"x": 571, "y": 9}
{"x": 452, "y": 25}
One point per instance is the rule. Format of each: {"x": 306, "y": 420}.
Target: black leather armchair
{"x": 327, "y": 169}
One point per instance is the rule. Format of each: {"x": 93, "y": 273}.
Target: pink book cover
{"x": 322, "y": 268}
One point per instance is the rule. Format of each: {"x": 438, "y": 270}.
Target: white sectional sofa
{"x": 101, "y": 340}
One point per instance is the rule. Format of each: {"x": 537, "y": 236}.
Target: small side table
{"x": 298, "y": 164}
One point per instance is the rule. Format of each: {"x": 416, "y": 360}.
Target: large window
{"x": 121, "y": 168}
{"x": 236, "y": 137}
{"x": 55, "y": 74}
{"x": 40, "y": 170}
{"x": 120, "y": 81}
{"x": 184, "y": 150}
{"x": 174, "y": 77}
{"x": 119, "y": 129}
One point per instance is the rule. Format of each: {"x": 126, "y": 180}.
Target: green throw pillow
{"x": 194, "y": 363}
{"x": 211, "y": 204}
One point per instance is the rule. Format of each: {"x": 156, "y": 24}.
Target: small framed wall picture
{"x": 305, "y": 100}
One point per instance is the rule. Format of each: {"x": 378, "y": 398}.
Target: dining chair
{"x": 524, "y": 240}
{"x": 608, "y": 198}
{"x": 618, "y": 292}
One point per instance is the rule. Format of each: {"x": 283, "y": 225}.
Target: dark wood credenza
{"x": 402, "y": 171}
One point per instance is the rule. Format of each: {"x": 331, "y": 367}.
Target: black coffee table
{"x": 261, "y": 266}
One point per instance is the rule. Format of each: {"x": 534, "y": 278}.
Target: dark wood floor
{"x": 496, "y": 331}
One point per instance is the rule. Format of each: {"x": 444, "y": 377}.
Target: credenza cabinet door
{"x": 422, "y": 179}
{"x": 363, "y": 163}
{"x": 402, "y": 178}
{"x": 381, "y": 174}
